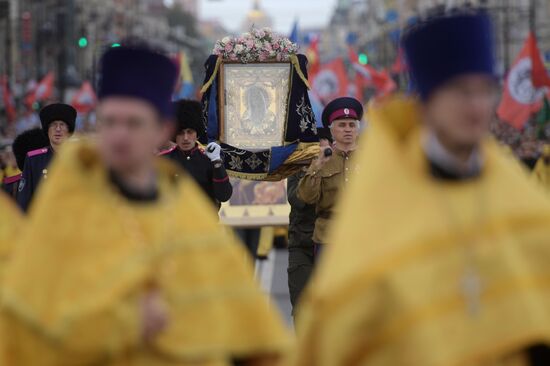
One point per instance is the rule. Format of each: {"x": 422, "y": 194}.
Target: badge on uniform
{"x": 21, "y": 185}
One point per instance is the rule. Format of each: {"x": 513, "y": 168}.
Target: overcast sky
{"x": 310, "y": 13}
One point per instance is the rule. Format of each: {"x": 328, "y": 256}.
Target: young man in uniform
{"x": 27, "y": 141}
{"x": 442, "y": 255}
{"x": 58, "y": 123}
{"x": 204, "y": 165}
{"x": 126, "y": 263}
{"x": 301, "y": 253}
{"x": 327, "y": 174}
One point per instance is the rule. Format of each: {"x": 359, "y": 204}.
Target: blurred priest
{"x": 125, "y": 263}
{"x": 441, "y": 254}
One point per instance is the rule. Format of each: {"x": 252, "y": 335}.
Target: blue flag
{"x": 294, "y": 33}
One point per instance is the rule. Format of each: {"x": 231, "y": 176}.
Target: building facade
{"x": 374, "y": 26}
{"x": 68, "y": 36}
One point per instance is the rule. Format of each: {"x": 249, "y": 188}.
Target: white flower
{"x": 239, "y": 48}
{"x": 226, "y": 39}
{"x": 258, "y": 44}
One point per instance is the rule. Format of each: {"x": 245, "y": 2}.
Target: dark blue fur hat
{"x": 141, "y": 73}
{"x": 449, "y": 45}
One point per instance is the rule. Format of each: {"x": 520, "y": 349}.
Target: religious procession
{"x": 274, "y": 183}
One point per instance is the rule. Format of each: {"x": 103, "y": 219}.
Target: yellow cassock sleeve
{"x": 73, "y": 287}
{"x": 391, "y": 292}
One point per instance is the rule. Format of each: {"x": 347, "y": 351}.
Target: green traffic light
{"x": 363, "y": 59}
{"x": 83, "y": 42}
{"x": 115, "y": 45}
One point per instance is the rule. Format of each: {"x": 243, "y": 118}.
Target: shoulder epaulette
{"x": 37, "y": 152}
{"x": 167, "y": 151}
{"x": 12, "y": 179}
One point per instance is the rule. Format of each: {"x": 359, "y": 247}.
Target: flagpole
{"x": 532, "y": 16}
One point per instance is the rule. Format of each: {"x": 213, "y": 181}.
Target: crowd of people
{"x": 422, "y": 242}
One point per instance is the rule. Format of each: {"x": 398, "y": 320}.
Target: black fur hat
{"x": 58, "y": 112}
{"x": 189, "y": 115}
{"x": 28, "y": 141}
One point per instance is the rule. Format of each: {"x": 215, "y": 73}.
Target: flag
{"x": 294, "y": 36}
{"x": 185, "y": 88}
{"x": 400, "y": 65}
{"x": 7, "y": 99}
{"x": 543, "y": 117}
{"x": 42, "y": 91}
{"x": 379, "y": 80}
{"x": 331, "y": 81}
{"x": 525, "y": 86}
{"x": 317, "y": 107}
{"x": 313, "y": 58}
{"x": 540, "y": 74}
{"x": 85, "y": 98}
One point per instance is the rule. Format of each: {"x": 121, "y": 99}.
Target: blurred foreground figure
{"x": 24, "y": 143}
{"x": 58, "y": 123}
{"x": 124, "y": 262}
{"x": 443, "y": 241}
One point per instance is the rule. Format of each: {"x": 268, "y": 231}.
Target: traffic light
{"x": 115, "y": 45}
{"x": 82, "y": 42}
{"x": 363, "y": 59}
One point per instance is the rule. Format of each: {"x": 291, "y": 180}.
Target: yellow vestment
{"x": 541, "y": 172}
{"x": 429, "y": 272}
{"x": 74, "y": 283}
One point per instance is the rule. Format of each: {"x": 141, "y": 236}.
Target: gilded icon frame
{"x": 253, "y": 104}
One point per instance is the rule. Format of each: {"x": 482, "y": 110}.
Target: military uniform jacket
{"x": 214, "y": 181}
{"x": 302, "y": 216}
{"x": 10, "y": 185}
{"x": 36, "y": 168}
{"x": 321, "y": 188}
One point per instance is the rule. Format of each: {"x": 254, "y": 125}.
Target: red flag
{"x": 525, "y": 86}
{"x": 314, "y": 60}
{"x": 400, "y": 65}
{"x": 380, "y": 80}
{"x": 540, "y": 75}
{"x": 331, "y": 81}
{"x": 42, "y": 91}
{"x": 84, "y": 99}
{"x": 7, "y": 98}
{"x": 386, "y": 83}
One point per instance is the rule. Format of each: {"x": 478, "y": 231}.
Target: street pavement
{"x": 273, "y": 277}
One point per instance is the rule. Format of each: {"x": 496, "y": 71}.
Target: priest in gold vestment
{"x": 443, "y": 243}
{"x": 123, "y": 261}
